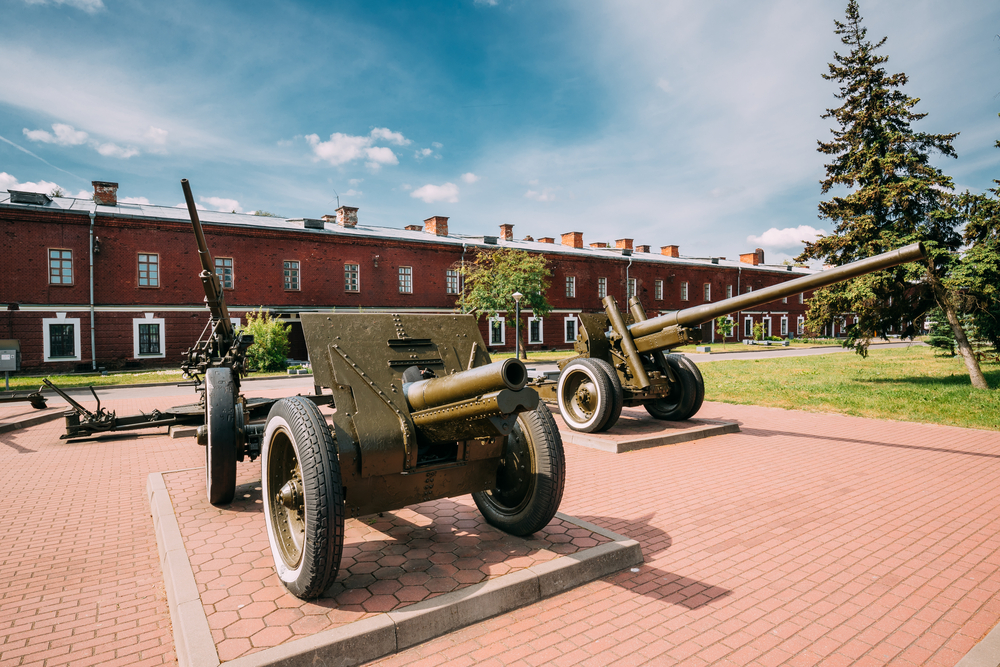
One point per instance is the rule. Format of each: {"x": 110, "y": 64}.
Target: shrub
{"x": 270, "y": 341}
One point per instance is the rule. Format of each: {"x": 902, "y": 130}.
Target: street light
{"x": 517, "y": 324}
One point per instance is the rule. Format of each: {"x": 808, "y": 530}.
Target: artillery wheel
{"x": 617, "y": 396}
{"x": 585, "y": 395}
{"x": 303, "y": 497}
{"x": 530, "y": 478}
{"x": 699, "y": 382}
{"x": 220, "y": 421}
{"x": 678, "y": 405}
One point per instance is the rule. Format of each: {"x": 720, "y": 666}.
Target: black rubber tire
{"x": 298, "y": 445}
{"x": 677, "y": 406}
{"x": 532, "y": 475}
{"x": 585, "y": 395}
{"x": 220, "y": 421}
{"x": 617, "y": 395}
{"x": 699, "y": 382}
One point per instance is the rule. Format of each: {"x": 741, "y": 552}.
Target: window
{"x": 748, "y": 327}
{"x": 658, "y": 290}
{"x": 534, "y": 330}
{"x": 802, "y": 297}
{"x": 732, "y": 331}
{"x": 571, "y": 287}
{"x": 224, "y": 269}
{"x": 291, "y": 273}
{"x": 569, "y": 327}
{"x": 602, "y": 288}
{"x": 61, "y": 338}
{"x": 497, "y": 331}
{"x": 147, "y": 337}
{"x": 784, "y": 299}
{"x": 784, "y": 325}
{"x": 351, "y": 278}
{"x": 406, "y": 280}
{"x": 60, "y": 266}
{"x": 749, "y": 288}
{"x": 729, "y": 291}
{"x": 767, "y": 326}
{"x": 800, "y": 325}
{"x": 149, "y": 270}
{"x": 631, "y": 287}
{"x": 451, "y": 281}
{"x": 708, "y": 291}
{"x": 684, "y": 291}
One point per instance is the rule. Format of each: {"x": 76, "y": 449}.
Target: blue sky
{"x": 688, "y": 123}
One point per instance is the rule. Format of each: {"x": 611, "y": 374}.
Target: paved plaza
{"x": 803, "y": 539}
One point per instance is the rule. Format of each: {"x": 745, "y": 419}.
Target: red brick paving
{"x": 805, "y": 539}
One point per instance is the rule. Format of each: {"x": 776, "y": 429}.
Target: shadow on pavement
{"x": 765, "y": 433}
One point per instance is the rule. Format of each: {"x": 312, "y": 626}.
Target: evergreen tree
{"x": 895, "y": 197}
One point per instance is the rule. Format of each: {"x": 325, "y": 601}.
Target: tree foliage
{"x": 885, "y": 194}
{"x": 494, "y": 275}
{"x": 269, "y": 351}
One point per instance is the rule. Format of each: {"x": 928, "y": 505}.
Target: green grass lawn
{"x": 170, "y": 376}
{"x": 907, "y": 384}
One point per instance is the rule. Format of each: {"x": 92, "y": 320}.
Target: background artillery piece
{"x": 621, "y": 364}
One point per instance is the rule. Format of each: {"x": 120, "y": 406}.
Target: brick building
{"x": 107, "y": 284}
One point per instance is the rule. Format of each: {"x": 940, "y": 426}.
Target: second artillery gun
{"x": 421, "y": 414}
{"x": 628, "y": 364}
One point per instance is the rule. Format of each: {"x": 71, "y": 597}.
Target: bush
{"x": 270, "y": 341}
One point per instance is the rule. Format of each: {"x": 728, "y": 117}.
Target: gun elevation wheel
{"x": 220, "y": 420}
{"x": 585, "y": 395}
{"x": 303, "y": 497}
{"x": 679, "y": 405}
{"x": 530, "y": 478}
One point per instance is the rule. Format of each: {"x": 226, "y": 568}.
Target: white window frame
{"x": 708, "y": 291}
{"x": 357, "y": 275}
{"x": 748, "y": 327}
{"x": 734, "y": 332}
{"x": 658, "y": 290}
{"x": 149, "y": 319}
{"x": 287, "y": 272}
{"x": 800, "y": 325}
{"x": 766, "y": 321}
{"x": 451, "y": 278}
{"x": 729, "y": 291}
{"x": 503, "y": 331}
{"x": 60, "y": 318}
{"x": 684, "y": 291}
{"x": 802, "y": 297}
{"x": 406, "y": 280}
{"x": 784, "y": 299}
{"x": 633, "y": 287}
{"x": 541, "y": 334}
{"x": 602, "y": 287}
{"x": 570, "y": 287}
{"x": 236, "y": 322}
{"x": 222, "y": 268}
{"x": 576, "y": 328}
{"x": 784, "y": 325}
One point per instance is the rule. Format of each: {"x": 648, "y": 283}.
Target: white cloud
{"x": 470, "y": 177}
{"x": 437, "y": 144}
{"x": 114, "y": 150}
{"x": 134, "y": 200}
{"x": 379, "y": 155}
{"x": 353, "y": 193}
{"x": 355, "y": 181}
{"x": 406, "y": 186}
{"x": 664, "y": 85}
{"x": 9, "y": 182}
{"x": 197, "y": 206}
{"x": 544, "y": 195}
{"x": 62, "y": 135}
{"x": 156, "y": 135}
{"x": 790, "y": 237}
{"x": 385, "y": 134}
{"x": 89, "y": 6}
{"x": 221, "y": 204}
{"x": 435, "y": 193}
{"x": 488, "y": 3}
{"x": 422, "y": 153}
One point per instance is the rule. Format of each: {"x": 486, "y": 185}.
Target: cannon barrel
{"x": 213, "y": 287}
{"x": 690, "y": 317}
{"x": 507, "y": 374}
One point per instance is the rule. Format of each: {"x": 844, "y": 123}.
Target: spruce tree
{"x": 894, "y": 197}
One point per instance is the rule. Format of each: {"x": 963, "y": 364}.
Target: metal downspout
{"x": 93, "y": 349}
{"x": 627, "y": 295}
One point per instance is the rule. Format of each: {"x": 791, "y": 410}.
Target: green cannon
{"x": 621, "y": 363}
{"x": 421, "y": 414}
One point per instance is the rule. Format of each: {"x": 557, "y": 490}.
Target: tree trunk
{"x": 961, "y": 340}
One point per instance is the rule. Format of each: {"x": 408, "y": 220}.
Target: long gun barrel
{"x": 507, "y": 374}
{"x": 213, "y": 287}
{"x": 698, "y": 315}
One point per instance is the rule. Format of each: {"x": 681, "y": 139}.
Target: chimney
{"x": 436, "y": 224}
{"x": 414, "y": 228}
{"x": 642, "y": 248}
{"x": 760, "y": 255}
{"x": 546, "y": 239}
{"x": 507, "y": 232}
{"x": 528, "y": 238}
{"x": 623, "y": 243}
{"x": 599, "y": 244}
{"x": 750, "y": 258}
{"x": 670, "y": 250}
{"x": 573, "y": 239}
{"x": 347, "y": 216}
{"x": 105, "y": 194}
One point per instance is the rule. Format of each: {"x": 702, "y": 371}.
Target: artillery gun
{"x": 628, "y": 364}
{"x": 421, "y": 414}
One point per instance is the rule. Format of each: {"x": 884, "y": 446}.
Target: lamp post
{"x": 517, "y": 324}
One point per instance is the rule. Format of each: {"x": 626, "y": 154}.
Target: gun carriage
{"x": 626, "y": 362}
